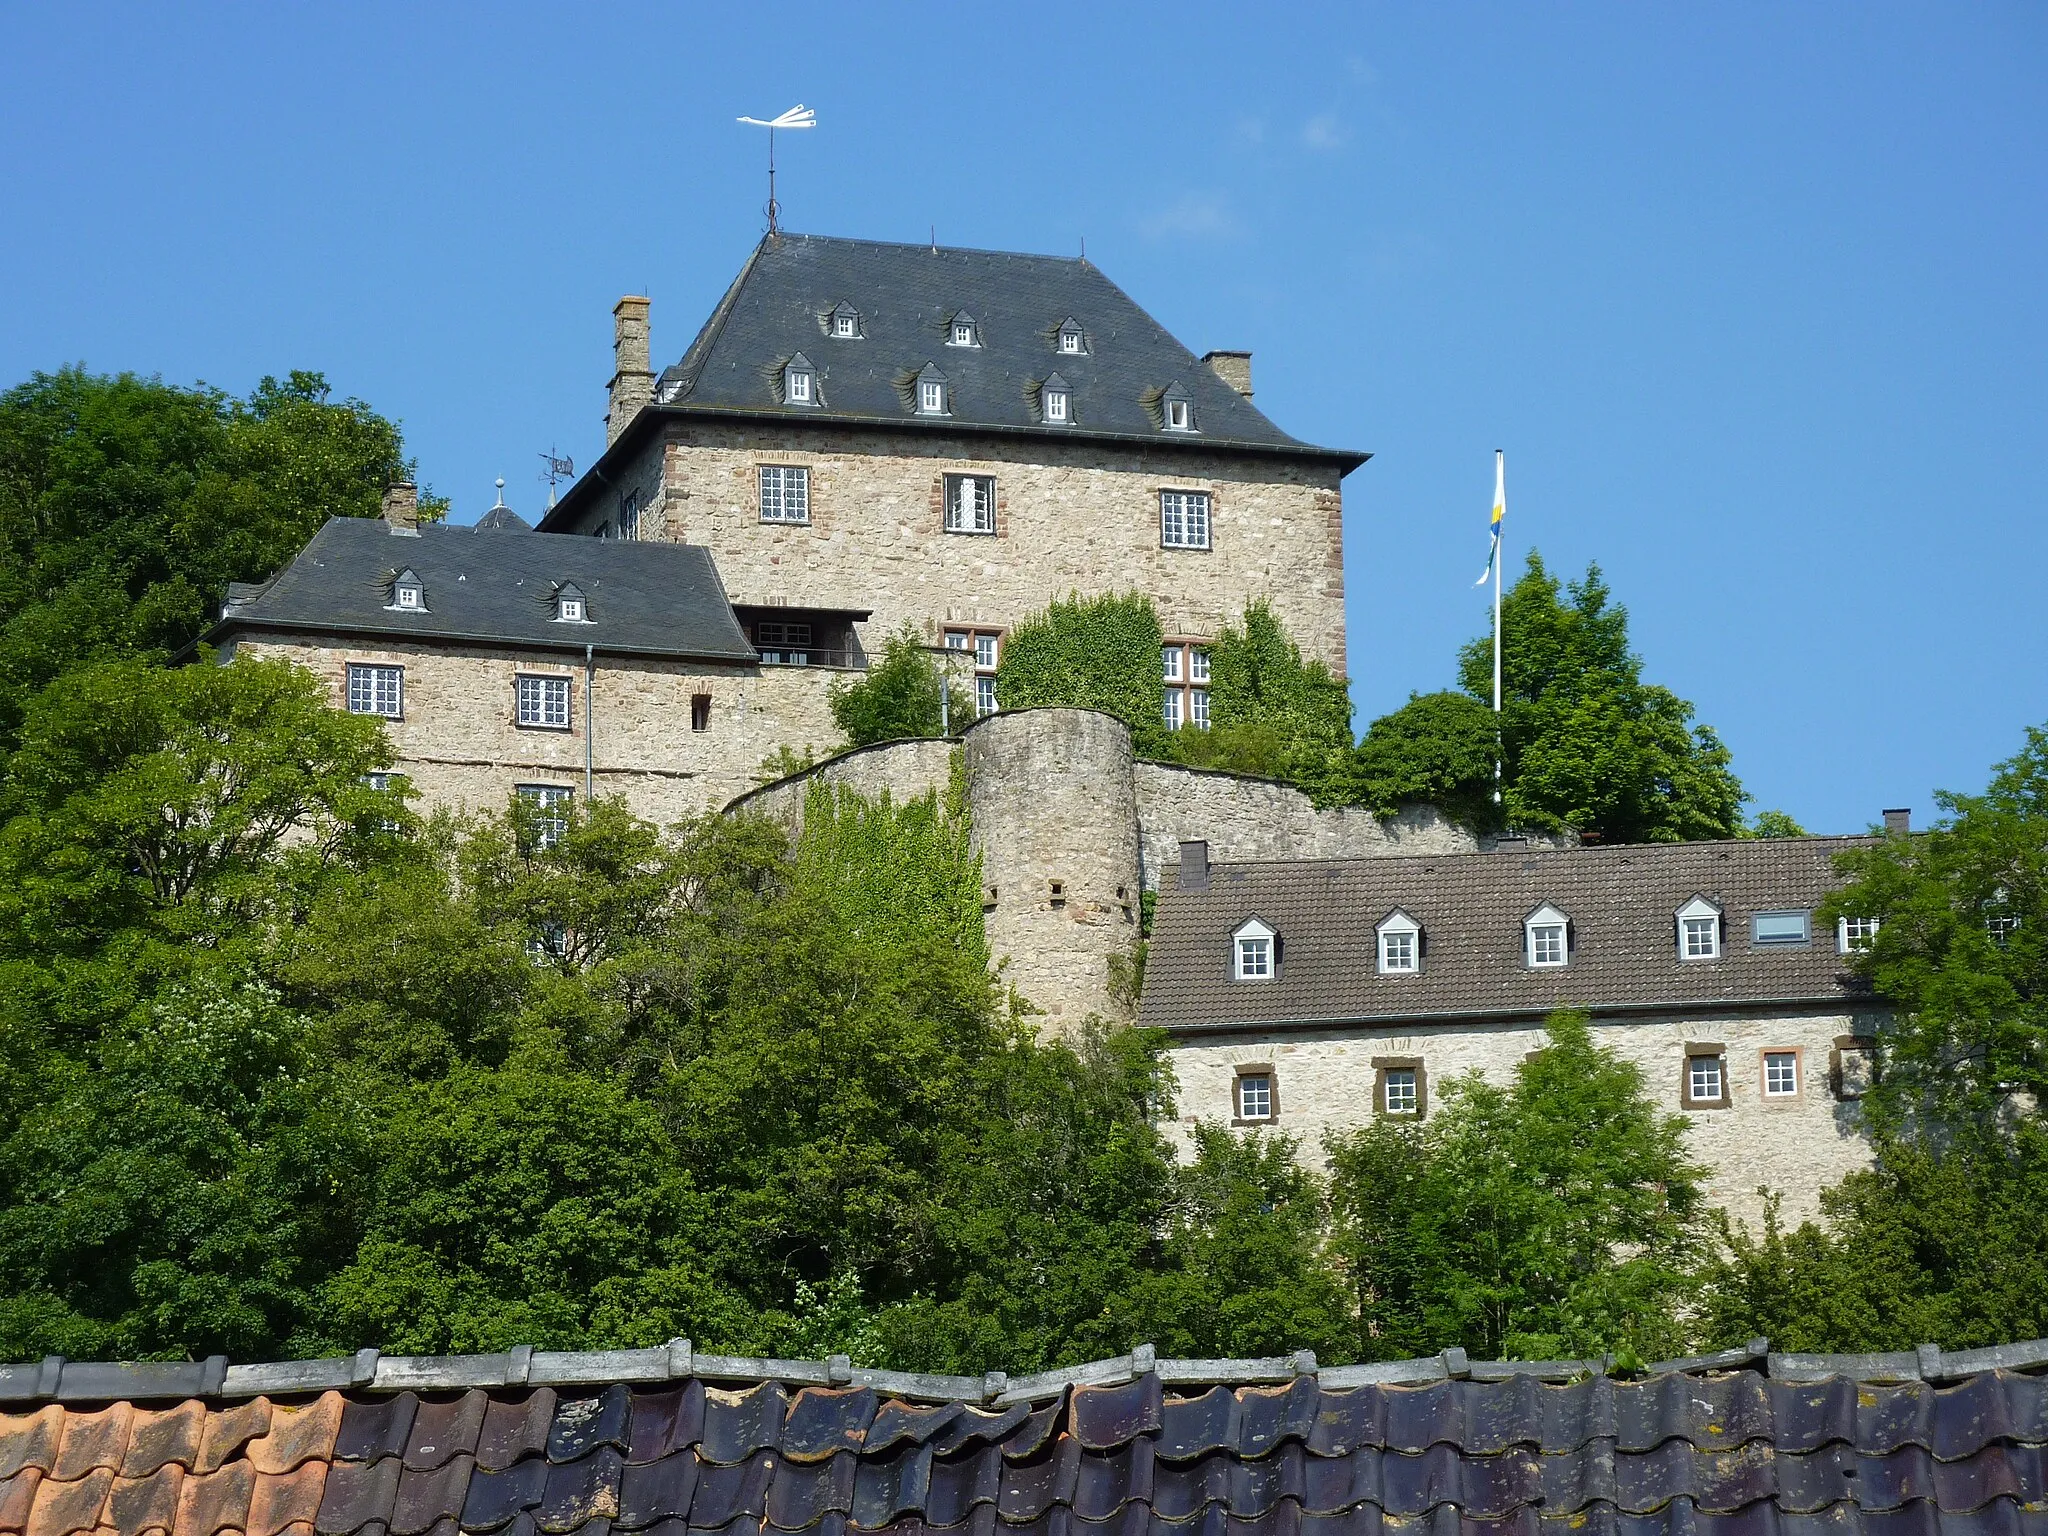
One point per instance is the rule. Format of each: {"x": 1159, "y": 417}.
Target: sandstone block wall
{"x": 1071, "y": 517}
{"x": 1798, "y": 1146}
{"x": 460, "y": 745}
{"x": 903, "y": 770}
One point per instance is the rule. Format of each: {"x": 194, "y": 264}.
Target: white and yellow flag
{"x": 1500, "y": 510}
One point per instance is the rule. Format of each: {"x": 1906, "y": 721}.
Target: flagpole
{"x": 1500, "y": 470}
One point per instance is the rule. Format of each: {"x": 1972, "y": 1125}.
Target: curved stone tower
{"x": 1056, "y": 822}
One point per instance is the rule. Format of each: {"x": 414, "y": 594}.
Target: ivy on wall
{"x": 1091, "y": 653}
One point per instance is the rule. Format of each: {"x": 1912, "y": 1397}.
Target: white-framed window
{"x": 782, "y": 643}
{"x": 1254, "y": 1095}
{"x": 845, "y": 323}
{"x": 2000, "y": 927}
{"x": 380, "y": 781}
{"x": 548, "y": 941}
{"x": 984, "y": 694}
{"x": 1169, "y": 662}
{"x": 970, "y": 504}
{"x": 1398, "y": 1091}
{"x": 542, "y": 701}
{"x": 984, "y": 652}
{"x": 1198, "y": 665}
{"x": 931, "y": 397}
{"x": 986, "y": 645}
{"x": 376, "y": 690}
{"x": 1546, "y": 938}
{"x": 1073, "y": 340}
{"x": 1056, "y": 406}
{"x": 1170, "y": 708}
{"x": 1854, "y": 933}
{"x": 1252, "y": 952}
{"x": 629, "y": 516}
{"x": 1706, "y": 1079}
{"x": 799, "y": 382}
{"x": 962, "y": 333}
{"x": 1699, "y": 930}
{"x": 1198, "y": 707}
{"x": 569, "y": 608}
{"x": 1180, "y": 416}
{"x": 1787, "y": 929}
{"x": 1184, "y": 519}
{"x": 407, "y": 594}
{"x": 1781, "y": 1074}
{"x": 1400, "y": 945}
{"x": 550, "y": 804}
{"x": 785, "y": 492}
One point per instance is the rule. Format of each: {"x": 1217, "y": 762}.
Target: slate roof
{"x": 664, "y": 1442}
{"x": 497, "y": 586}
{"x": 1621, "y": 901}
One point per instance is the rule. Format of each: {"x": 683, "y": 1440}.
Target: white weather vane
{"x": 798, "y": 116}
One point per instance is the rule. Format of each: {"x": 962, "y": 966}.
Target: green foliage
{"x": 1589, "y": 745}
{"x": 1260, "y": 684}
{"x": 900, "y": 697}
{"x": 1090, "y": 653}
{"x": 127, "y": 505}
{"x": 1437, "y": 749}
{"x": 1772, "y": 824}
{"x": 1555, "y": 1216}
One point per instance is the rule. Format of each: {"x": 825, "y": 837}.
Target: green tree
{"x": 900, "y": 697}
{"x": 1552, "y": 1216}
{"x": 1587, "y": 744}
{"x": 1262, "y": 690}
{"x": 1772, "y": 824}
{"x": 1437, "y": 749}
{"x": 127, "y": 505}
{"x": 1090, "y": 653}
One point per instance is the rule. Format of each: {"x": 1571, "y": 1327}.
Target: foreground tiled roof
{"x": 667, "y": 1442}
{"x": 497, "y": 586}
{"x": 1621, "y": 901}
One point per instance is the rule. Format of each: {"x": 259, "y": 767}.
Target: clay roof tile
{"x": 93, "y": 1440}
{"x": 158, "y": 1439}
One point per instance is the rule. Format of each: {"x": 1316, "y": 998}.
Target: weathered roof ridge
{"x": 56, "y": 1379}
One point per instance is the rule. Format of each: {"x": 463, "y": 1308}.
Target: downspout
{"x": 589, "y": 721}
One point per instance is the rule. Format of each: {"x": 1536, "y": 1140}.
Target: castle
{"x": 868, "y": 439}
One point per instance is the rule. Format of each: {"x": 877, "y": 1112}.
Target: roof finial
{"x": 798, "y": 116}
{"x": 935, "y": 239}
{"x": 501, "y": 492}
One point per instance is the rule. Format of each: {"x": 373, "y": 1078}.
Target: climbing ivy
{"x": 1091, "y": 653}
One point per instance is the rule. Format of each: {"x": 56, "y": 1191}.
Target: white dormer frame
{"x": 1072, "y": 340}
{"x": 844, "y": 324}
{"x": 1399, "y": 943}
{"x": 1056, "y": 402}
{"x": 570, "y": 607}
{"x": 1176, "y": 410}
{"x": 934, "y": 393}
{"x": 408, "y": 594}
{"x": 1254, "y": 951}
{"x": 1546, "y": 939}
{"x": 800, "y": 382}
{"x": 1697, "y": 926}
{"x": 963, "y": 331}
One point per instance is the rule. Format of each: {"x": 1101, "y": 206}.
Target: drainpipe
{"x": 589, "y": 723}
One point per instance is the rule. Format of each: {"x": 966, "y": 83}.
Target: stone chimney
{"x": 1233, "y": 368}
{"x": 402, "y": 507}
{"x": 632, "y": 366}
{"x": 1898, "y": 822}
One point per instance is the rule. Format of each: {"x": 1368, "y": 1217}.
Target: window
{"x": 550, "y": 803}
{"x": 1779, "y": 930}
{"x": 1400, "y": 1086}
{"x": 785, "y": 493}
{"x": 1073, "y": 340}
{"x": 1180, "y": 415}
{"x": 2000, "y": 924}
{"x": 1781, "y": 1074}
{"x": 1699, "y": 930}
{"x": 1852, "y": 1065}
{"x": 1254, "y": 1095}
{"x": 970, "y": 504}
{"x": 542, "y": 701}
{"x": 1056, "y": 405}
{"x": 1854, "y": 933}
{"x": 548, "y": 941}
{"x": 931, "y": 392}
{"x": 845, "y": 322}
{"x": 1198, "y": 707}
{"x": 1198, "y": 665}
{"x": 1398, "y": 1091}
{"x": 1170, "y": 704}
{"x": 783, "y": 644}
{"x": 1547, "y": 941}
{"x": 984, "y": 695}
{"x": 1706, "y": 1081}
{"x": 407, "y": 594}
{"x": 629, "y": 516}
{"x": 1252, "y": 950}
{"x": 378, "y": 781}
{"x": 374, "y": 690}
{"x": 963, "y": 332}
{"x": 1184, "y": 519}
{"x": 569, "y": 607}
{"x": 985, "y": 653}
{"x": 1169, "y": 662}
{"x": 1182, "y": 663}
{"x": 1400, "y": 944}
{"x": 799, "y": 382}
{"x": 986, "y": 645}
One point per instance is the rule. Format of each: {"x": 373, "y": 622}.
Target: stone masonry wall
{"x": 1072, "y": 516}
{"x": 1323, "y": 1082}
{"x": 459, "y": 744}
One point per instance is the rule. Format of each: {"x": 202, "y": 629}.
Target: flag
{"x": 1500, "y": 510}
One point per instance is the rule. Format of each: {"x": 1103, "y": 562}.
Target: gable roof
{"x": 1621, "y": 901}
{"x": 497, "y": 586}
{"x": 667, "y": 1441}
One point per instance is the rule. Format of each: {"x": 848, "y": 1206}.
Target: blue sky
{"x": 1752, "y": 295}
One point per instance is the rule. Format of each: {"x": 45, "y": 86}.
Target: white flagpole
{"x": 1500, "y": 471}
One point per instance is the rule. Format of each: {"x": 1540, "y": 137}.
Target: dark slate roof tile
{"x": 1106, "y": 1481}
{"x": 804, "y": 1493}
{"x": 497, "y": 1496}
{"x": 962, "y": 1484}
{"x": 887, "y": 1486}
{"x": 582, "y": 1490}
{"x": 1267, "y": 1417}
{"x": 1031, "y": 1488}
{"x": 1108, "y": 1416}
{"x": 588, "y": 1420}
{"x": 728, "y": 1491}
{"x": 653, "y": 1491}
{"x": 375, "y": 1429}
{"x": 358, "y": 1493}
{"x": 1191, "y": 1426}
{"x": 1344, "y": 1420}
{"x": 1182, "y": 1490}
{"x": 444, "y": 1429}
{"x": 899, "y": 1423}
{"x": 975, "y": 1427}
{"x": 737, "y": 1424}
{"x": 1257, "y": 1486}
{"x": 824, "y": 1421}
{"x": 515, "y": 1427}
{"x": 666, "y": 1421}
{"x": 425, "y": 1497}
{"x": 1579, "y": 1479}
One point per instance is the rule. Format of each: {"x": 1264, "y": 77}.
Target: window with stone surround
{"x": 700, "y": 711}
{"x": 376, "y": 690}
{"x": 1183, "y": 519}
{"x": 1400, "y": 1087}
{"x": 1705, "y": 1081}
{"x": 970, "y": 503}
{"x": 1254, "y": 1099}
{"x": 985, "y": 645}
{"x": 785, "y": 493}
{"x": 550, "y": 803}
{"x": 541, "y": 701}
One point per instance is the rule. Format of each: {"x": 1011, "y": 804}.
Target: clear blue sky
{"x": 1752, "y": 295}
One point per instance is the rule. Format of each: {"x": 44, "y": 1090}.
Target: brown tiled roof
{"x": 1742, "y": 1444}
{"x": 1621, "y": 901}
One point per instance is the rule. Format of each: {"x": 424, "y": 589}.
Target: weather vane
{"x": 559, "y": 467}
{"x": 798, "y": 116}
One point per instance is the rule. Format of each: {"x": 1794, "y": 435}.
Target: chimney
{"x": 1899, "y": 821}
{"x": 632, "y": 385}
{"x": 402, "y": 507}
{"x": 1233, "y": 368}
{"x": 1194, "y": 866}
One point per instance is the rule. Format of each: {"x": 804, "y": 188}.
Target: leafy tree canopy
{"x": 1438, "y": 749}
{"x": 899, "y": 697}
{"x": 1587, "y": 744}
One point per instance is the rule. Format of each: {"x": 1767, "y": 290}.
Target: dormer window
{"x": 1177, "y": 410}
{"x": 846, "y": 323}
{"x": 1055, "y": 404}
{"x": 1400, "y": 944}
{"x": 1254, "y": 952}
{"x": 1073, "y": 340}
{"x": 1546, "y": 938}
{"x": 569, "y": 606}
{"x": 932, "y": 396}
{"x": 408, "y": 595}
{"x": 799, "y": 382}
{"x": 963, "y": 332}
{"x": 1699, "y": 930}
